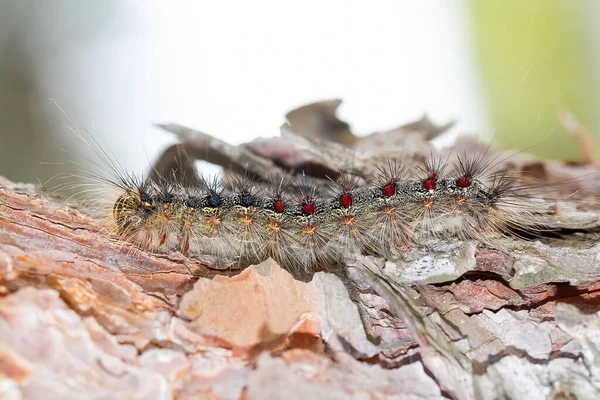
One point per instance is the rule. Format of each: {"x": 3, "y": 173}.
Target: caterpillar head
{"x": 132, "y": 209}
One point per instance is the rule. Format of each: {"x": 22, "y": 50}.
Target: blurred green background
{"x": 500, "y": 68}
{"x": 536, "y": 56}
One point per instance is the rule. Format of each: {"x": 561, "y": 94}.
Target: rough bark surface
{"x": 83, "y": 315}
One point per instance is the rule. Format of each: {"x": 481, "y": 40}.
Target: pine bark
{"x": 83, "y": 315}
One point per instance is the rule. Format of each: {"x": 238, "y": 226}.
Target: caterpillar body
{"x": 306, "y": 227}
{"x": 308, "y": 224}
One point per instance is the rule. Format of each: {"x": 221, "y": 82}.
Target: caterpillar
{"x": 347, "y": 198}
{"x": 308, "y": 224}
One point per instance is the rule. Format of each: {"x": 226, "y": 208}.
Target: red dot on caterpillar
{"x": 346, "y": 200}
{"x": 427, "y": 202}
{"x": 389, "y": 190}
{"x": 308, "y": 208}
{"x": 463, "y": 182}
{"x": 279, "y": 206}
{"x": 430, "y": 184}
{"x": 432, "y": 176}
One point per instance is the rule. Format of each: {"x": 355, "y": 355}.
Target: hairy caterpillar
{"x": 308, "y": 224}
{"x": 312, "y": 200}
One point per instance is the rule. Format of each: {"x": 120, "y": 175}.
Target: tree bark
{"x": 83, "y": 315}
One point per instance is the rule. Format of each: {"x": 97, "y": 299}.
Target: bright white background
{"x": 233, "y": 69}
